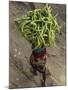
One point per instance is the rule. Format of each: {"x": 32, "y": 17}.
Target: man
{"x": 38, "y": 62}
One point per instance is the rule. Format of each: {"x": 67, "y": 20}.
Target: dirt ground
{"x": 20, "y": 50}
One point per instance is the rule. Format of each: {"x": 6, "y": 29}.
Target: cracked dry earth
{"x": 20, "y": 50}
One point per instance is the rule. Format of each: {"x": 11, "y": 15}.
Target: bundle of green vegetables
{"x": 39, "y": 26}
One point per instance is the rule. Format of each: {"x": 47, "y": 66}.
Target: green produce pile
{"x": 39, "y": 26}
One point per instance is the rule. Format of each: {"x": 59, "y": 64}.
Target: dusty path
{"x": 20, "y": 51}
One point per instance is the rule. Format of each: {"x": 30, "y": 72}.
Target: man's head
{"x": 39, "y": 53}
